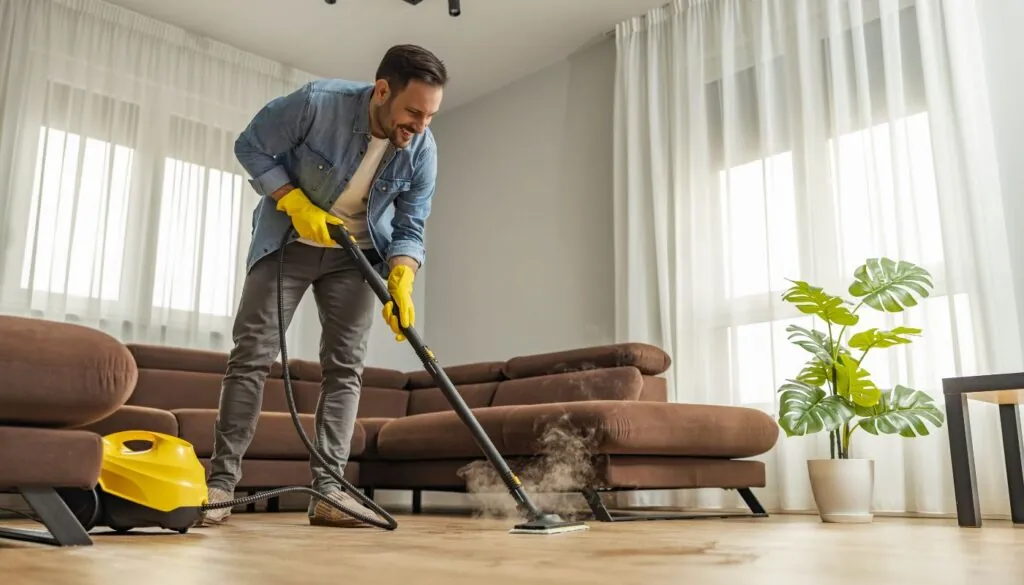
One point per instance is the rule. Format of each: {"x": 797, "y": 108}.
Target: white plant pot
{"x": 843, "y": 489}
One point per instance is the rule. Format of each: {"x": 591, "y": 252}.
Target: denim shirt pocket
{"x": 313, "y": 169}
{"x": 390, "y": 187}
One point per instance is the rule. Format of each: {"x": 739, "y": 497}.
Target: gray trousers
{"x": 345, "y": 303}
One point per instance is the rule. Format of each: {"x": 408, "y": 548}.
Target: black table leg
{"x": 1009, "y": 420}
{"x": 961, "y": 451}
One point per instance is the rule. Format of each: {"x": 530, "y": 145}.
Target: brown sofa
{"x": 586, "y": 421}
{"x": 55, "y": 376}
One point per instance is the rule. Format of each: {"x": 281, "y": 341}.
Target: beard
{"x": 392, "y": 131}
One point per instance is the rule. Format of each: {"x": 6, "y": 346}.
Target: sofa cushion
{"x": 174, "y": 389}
{"x": 371, "y": 430}
{"x": 275, "y": 438}
{"x": 476, "y": 373}
{"x": 136, "y": 418}
{"x": 650, "y": 360}
{"x": 60, "y": 374}
{"x": 427, "y": 400}
{"x": 655, "y": 389}
{"x": 642, "y": 428}
{"x": 382, "y": 402}
{"x": 32, "y": 457}
{"x": 439, "y": 435}
{"x": 164, "y": 357}
{"x": 668, "y": 473}
{"x": 263, "y": 474}
{"x": 624, "y": 383}
{"x": 603, "y": 471}
{"x": 594, "y": 427}
{"x": 310, "y": 371}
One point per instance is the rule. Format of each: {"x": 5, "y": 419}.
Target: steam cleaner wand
{"x": 537, "y": 522}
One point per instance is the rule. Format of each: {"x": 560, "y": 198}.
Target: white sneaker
{"x": 217, "y": 515}
{"x": 324, "y": 514}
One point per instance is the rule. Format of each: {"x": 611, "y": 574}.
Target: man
{"x": 332, "y": 152}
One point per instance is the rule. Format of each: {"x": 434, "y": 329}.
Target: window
{"x": 760, "y": 234}
{"x": 87, "y": 239}
{"x": 197, "y": 247}
{"x": 756, "y": 195}
{"x": 868, "y": 194}
{"x": 78, "y": 214}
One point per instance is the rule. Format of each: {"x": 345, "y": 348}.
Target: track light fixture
{"x": 454, "y": 6}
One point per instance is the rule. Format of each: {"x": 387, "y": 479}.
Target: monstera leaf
{"x": 890, "y": 286}
{"x": 815, "y": 373}
{"x": 812, "y": 300}
{"x": 806, "y": 409}
{"x": 903, "y": 411}
{"x": 852, "y": 382}
{"x": 881, "y": 338}
{"x": 813, "y": 341}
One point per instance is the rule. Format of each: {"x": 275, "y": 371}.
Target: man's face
{"x": 406, "y": 113}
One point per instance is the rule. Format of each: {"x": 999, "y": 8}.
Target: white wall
{"x": 1003, "y": 41}
{"x": 519, "y": 240}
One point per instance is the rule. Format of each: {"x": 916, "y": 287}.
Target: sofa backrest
{"x": 174, "y": 377}
{"x": 383, "y": 394}
{"x": 621, "y": 383}
{"x": 647, "y": 359}
{"x": 476, "y": 383}
{"x": 624, "y": 371}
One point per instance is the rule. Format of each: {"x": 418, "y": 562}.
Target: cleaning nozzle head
{"x": 548, "y": 524}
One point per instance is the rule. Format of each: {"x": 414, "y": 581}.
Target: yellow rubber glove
{"x": 400, "y": 287}
{"x": 309, "y": 220}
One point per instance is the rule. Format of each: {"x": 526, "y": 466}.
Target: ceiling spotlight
{"x": 453, "y": 8}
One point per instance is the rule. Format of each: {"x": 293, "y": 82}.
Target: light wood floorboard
{"x": 263, "y": 549}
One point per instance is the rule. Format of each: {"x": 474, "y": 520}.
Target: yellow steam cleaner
{"x": 163, "y": 484}
{"x": 160, "y": 485}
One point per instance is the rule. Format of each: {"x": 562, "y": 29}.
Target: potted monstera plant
{"x": 834, "y": 394}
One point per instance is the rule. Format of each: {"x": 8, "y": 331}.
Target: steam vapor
{"x": 553, "y": 478}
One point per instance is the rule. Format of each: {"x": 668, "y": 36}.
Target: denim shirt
{"x": 315, "y": 138}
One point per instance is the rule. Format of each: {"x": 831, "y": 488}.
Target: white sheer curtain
{"x": 122, "y": 206}
{"x": 765, "y": 140}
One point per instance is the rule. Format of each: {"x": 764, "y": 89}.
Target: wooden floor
{"x": 264, "y": 549}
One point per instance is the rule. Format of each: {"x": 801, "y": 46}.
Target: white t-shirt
{"x": 351, "y": 205}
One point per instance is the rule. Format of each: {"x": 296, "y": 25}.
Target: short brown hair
{"x": 404, "y": 63}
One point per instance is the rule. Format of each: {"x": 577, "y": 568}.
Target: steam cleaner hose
{"x": 383, "y": 519}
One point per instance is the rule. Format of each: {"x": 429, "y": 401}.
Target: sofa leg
{"x": 274, "y": 504}
{"x": 756, "y": 509}
{"x": 368, "y": 492}
{"x": 417, "y": 501}
{"x": 62, "y": 528}
{"x": 603, "y": 514}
